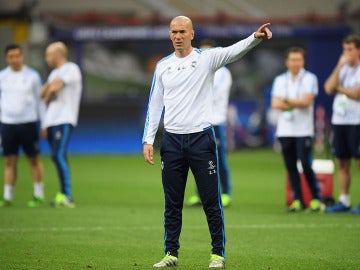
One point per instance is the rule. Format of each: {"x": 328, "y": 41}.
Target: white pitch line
{"x": 154, "y": 228}
{"x": 292, "y": 226}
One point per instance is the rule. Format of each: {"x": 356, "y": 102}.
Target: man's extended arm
{"x": 223, "y": 56}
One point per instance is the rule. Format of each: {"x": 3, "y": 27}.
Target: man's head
{"x": 14, "y": 57}
{"x": 181, "y": 35}
{"x": 207, "y": 43}
{"x": 295, "y": 59}
{"x": 351, "y": 48}
{"x": 56, "y": 54}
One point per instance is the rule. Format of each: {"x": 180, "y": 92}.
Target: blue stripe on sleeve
{"x": 151, "y": 93}
{"x": 148, "y": 109}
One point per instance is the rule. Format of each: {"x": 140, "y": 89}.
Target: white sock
{"x": 8, "y": 192}
{"x": 39, "y": 189}
{"x": 345, "y": 199}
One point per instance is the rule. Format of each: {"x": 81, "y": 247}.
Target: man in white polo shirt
{"x": 21, "y": 110}
{"x": 344, "y": 81}
{"x": 62, "y": 93}
{"x": 294, "y": 93}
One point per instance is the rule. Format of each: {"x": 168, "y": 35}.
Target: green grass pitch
{"x": 118, "y": 220}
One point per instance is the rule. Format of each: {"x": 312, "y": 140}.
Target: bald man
{"x": 182, "y": 86}
{"x": 62, "y": 94}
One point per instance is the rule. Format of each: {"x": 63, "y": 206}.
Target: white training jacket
{"x": 184, "y": 88}
{"x": 20, "y": 101}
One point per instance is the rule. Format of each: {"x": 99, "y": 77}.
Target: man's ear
{"x": 192, "y": 34}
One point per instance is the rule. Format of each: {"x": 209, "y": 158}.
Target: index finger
{"x": 264, "y": 26}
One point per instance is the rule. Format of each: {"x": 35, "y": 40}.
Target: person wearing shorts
{"x": 344, "y": 82}
{"x": 21, "y": 110}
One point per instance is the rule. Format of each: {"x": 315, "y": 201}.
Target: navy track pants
{"x": 196, "y": 151}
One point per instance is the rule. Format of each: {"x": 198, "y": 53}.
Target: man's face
{"x": 181, "y": 35}
{"x": 15, "y": 59}
{"x": 50, "y": 56}
{"x": 351, "y": 52}
{"x": 295, "y": 62}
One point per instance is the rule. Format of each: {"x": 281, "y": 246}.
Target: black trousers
{"x": 294, "y": 148}
{"x": 196, "y": 151}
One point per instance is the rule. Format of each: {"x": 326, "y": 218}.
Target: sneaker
{"x": 36, "y": 201}
{"x": 62, "y": 201}
{"x": 226, "y": 199}
{"x": 5, "y": 203}
{"x": 356, "y": 210}
{"x": 296, "y": 206}
{"x": 167, "y": 261}
{"x": 315, "y": 205}
{"x": 216, "y": 261}
{"x": 194, "y": 201}
{"x": 338, "y": 208}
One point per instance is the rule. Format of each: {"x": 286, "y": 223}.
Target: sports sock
{"x": 8, "y": 192}
{"x": 345, "y": 199}
{"x": 39, "y": 189}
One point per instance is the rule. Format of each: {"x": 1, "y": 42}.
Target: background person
{"x": 21, "y": 110}
{"x": 293, "y": 93}
{"x": 62, "y": 93}
{"x": 221, "y": 93}
{"x": 344, "y": 81}
{"x": 182, "y": 85}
